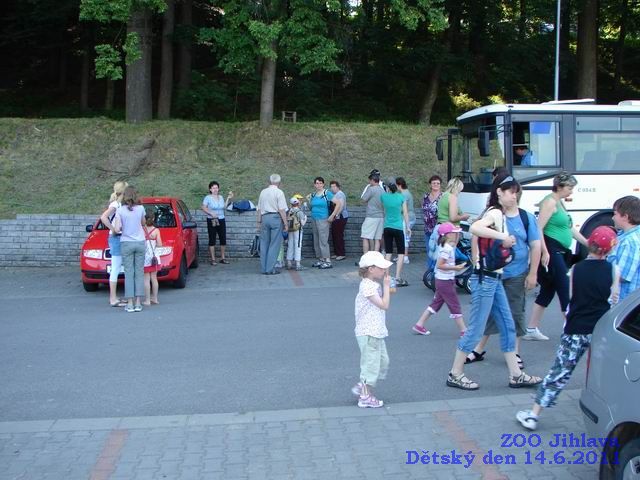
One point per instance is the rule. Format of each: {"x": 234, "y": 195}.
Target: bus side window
{"x": 536, "y": 144}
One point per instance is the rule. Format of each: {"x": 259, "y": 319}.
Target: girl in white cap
{"x": 371, "y": 305}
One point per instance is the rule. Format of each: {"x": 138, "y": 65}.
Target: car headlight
{"x": 92, "y": 253}
{"x": 161, "y": 251}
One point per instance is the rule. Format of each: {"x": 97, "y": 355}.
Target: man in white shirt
{"x": 272, "y": 220}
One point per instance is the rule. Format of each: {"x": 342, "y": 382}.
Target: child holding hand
{"x": 445, "y": 280}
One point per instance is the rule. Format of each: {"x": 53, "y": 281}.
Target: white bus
{"x": 599, "y": 144}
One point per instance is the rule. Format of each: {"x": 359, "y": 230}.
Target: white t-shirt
{"x": 449, "y": 254}
{"x": 370, "y": 319}
{"x": 115, "y": 205}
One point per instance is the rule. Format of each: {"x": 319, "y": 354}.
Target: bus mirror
{"x": 439, "y": 151}
{"x": 484, "y": 137}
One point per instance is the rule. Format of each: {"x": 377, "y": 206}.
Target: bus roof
{"x": 632, "y": 107}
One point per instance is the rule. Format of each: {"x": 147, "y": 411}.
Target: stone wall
{"x": 47, "y": 240}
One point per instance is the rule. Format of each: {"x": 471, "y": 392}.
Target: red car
{"x": 179, "y": 249}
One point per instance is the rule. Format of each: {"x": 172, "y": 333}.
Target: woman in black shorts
{"x": 214, "y": 206}
{"x": 396, "y": 220}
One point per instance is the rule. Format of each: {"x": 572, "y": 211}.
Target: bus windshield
{"x": 466, "y": 160}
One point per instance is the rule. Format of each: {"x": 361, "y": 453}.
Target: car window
{"x": 164, "y": 215}
{"x": 631, "y": 324}
{"x": 185, "y": 209}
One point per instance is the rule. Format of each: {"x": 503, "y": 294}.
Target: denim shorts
{"x": 114, "y": 245}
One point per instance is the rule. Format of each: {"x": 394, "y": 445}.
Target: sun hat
{"x": 603, "y": 237}
{"x": 374, "y": 259}
{"x": 448, "y": 227}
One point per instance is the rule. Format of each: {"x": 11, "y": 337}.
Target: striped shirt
{"x": 626, "y": 256}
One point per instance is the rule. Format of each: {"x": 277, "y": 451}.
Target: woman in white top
{"x": 114, "y": 242}
{"x": 129, "y": 222}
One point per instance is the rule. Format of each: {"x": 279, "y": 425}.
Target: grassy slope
{"x": 69, "y": 165}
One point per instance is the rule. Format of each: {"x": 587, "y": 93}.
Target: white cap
{"x": 374, "y": 259}
{"x": 294, "y": 201}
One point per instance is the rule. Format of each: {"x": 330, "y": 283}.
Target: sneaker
{"x": 369, "y": 402}
{"x": 325, "y": 265}
{"x": 137, "y": 308}
{"x": 357, "y": 389}
{"x": 406, "y": 261}
{"x": 129, "y": 309}
{"x": 420, "y": 330}
{"x": 534, "y": 334}
{"x": 401, "y": 282}
{"x": 527, "y": 419}
{"x": 340, "y": 258}
{"x": 317, "y": 264}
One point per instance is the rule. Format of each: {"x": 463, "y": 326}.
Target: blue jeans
{"x": 487, "y": 298}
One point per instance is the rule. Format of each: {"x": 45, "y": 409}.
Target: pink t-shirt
{"x": 370, "y": 319}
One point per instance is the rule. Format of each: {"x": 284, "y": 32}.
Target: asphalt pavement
{"x": 263, "y": 362}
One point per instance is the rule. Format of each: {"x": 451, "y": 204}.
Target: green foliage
{"x": 464, "y": 102}
{"x": 131, "y": 48}
{"x": 108, "y": 61}
{"x": 205, "y": 100}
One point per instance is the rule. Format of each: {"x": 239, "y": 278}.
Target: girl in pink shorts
{"x": 445, "y": 274}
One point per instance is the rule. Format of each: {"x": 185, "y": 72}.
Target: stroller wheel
{"x": 464, "y": 282}
{"x": 429, "y": 280}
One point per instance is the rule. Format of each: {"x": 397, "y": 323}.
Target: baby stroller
{"x": 463, "y": 255}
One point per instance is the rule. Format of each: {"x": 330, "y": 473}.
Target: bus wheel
{"x": 590, "y": 226}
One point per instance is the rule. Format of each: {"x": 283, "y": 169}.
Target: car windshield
{"x": 164, "y": 215}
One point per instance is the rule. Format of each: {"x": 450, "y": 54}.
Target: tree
{"x": 260, "y": 33}
{"x": 166, "y": 68}
{"x": 186, "y": 26}
{"x": 135, "y": 47}
{"x": 587, "y": 49}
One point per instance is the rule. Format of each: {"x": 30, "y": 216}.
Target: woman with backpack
{"x": 322, "y": 204}
{"x": 488, "y": 294}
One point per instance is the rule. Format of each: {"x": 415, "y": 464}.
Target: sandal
{"x": 524, "y": 380}
{"x": 119, "y": 303}
{"x": 224, "y": 261}
{"x": 462, "y": 382}
{"x": 476, "y": 357}
{"x": 520, "y": 362}
{"x": 213, "y": 262}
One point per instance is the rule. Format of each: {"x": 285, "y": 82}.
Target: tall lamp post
{"x": 556, "y": 83}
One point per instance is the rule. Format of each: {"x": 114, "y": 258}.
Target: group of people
{"x": 325, "y": 209}
{"x": 535, "y": 252}
{"x": 133, "y": 240}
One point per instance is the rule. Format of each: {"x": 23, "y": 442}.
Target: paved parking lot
{"x": 247, "y": 376}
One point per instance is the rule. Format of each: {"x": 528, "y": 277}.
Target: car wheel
{"x": 590, "y": 226}
{"x": 196, "y": 262}
{"x": 90, "y": 287}
{"x": 464, "y": 282}
{"x": 429, "y": 280}
{"x": 181, "y": 281}
{"x": 629, "y": 461}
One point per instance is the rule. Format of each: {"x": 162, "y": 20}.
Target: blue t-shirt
{"x": 215, "y": 205}
{"x": 520, "y": 264}
{"x": 319, "y": 205}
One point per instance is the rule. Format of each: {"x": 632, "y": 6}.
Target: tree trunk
{"x": 522, "y": 20}
{"x": 587, "y": 49}
{"x": 268, "y": 89}
{"x": 184, "y": 73}
{"x": 619, "y": 48}
{"x": 84, "y": 80}
{"x": 166, "y": 69}
{"x": 109, "y": 95}
{"x": 431, "y": 95}
{"x": 138, "y": 102}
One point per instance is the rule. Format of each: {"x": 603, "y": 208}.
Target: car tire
{"x": 429, "y": 280}
{"x": 629, "y": 461}
{"x": 90, "y": 287}
{"x": 196, "y": 261}
{"x": 181, "y": 281}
